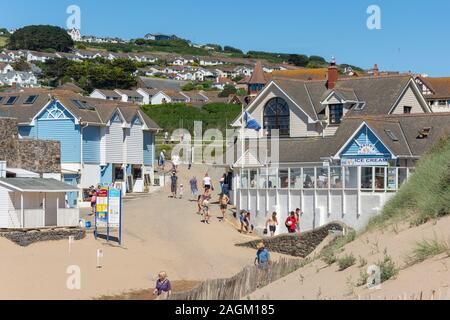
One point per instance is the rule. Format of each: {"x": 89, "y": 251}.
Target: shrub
{"x": 329, "y": 257}
{"x": 425, "y": 250}
{"x": 39, "y": 38}
{"x": 388, "y": 269}
{"x": 346, "y": 262}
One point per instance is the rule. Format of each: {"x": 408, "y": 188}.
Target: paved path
{"x": 160, "y": 233}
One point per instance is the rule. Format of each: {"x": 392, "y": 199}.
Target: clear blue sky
{"x": 414, "y": 34}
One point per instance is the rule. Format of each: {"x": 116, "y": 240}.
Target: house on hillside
{"x": 130, "y": 96}
{"x": 40, "y": 56}
{"x": 5, "y": 68}
{"x": 75, "y": 34}
{"x": 106, "y": 95}
{"x": 169, "y": 96}
{"x": 6, "y": 58}
{"x": 24, "y": 79}
{"x": 107, "y": 143}
{"x": 206, "y": 62}
{"x": 147, "y": 94}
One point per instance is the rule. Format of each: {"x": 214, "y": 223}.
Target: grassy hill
{"x": 426, "y": 196}
{"x": 3, "y": 41}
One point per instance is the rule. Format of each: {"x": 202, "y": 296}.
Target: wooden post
{"x": 22, "y": 212}
{"x": 44, "y": 208}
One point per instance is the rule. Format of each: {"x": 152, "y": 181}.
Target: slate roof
{"x": 439, "y": 86}
{"x": 99, "y": 111}
{"x": 258, "y": 76}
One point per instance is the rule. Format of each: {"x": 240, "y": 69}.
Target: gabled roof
{"x": 439, "y": 86}
{"x": 109, "y": 93}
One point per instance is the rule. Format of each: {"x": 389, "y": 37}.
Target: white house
{"x": 147, "y": 94}
{"x": 74, "y": 34}
{"x": 40, "y": 56}
{"x": 106, "y": 95}
{"x": 130, "y": 96}
{"x": 5, "y": 68}
{"x": 68, "y": 56}
{"x": 169, "y": 96}
{"x": 209, "y": 62}
{"x": 6, "y": 58}
{"x": 35, "y": 203}
{"x": 24, "y": 79}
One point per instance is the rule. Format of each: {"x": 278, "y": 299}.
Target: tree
{"x": 40, "y": 38}
{"x": 232, "y": 50}
{"x": 188, "y": 87}
{"x": 56, "y": 69}
{"x": 227, "y": 91}
{"x": 299, "y": 60}
{"x": 21, "y": 65}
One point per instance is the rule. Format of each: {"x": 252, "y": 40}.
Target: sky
{"x": 413, "y": 36}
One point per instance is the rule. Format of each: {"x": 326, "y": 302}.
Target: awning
{"x": 37, "y": 185}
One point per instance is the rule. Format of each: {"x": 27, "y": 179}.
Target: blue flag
{"x": 251, "y": 123}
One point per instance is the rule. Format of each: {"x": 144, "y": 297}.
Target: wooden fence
{"x": 244, "y": 283}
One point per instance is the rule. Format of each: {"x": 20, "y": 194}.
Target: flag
{"x": 251, "y": 123}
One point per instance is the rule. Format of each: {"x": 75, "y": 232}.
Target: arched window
{"x": 276, "y": 116}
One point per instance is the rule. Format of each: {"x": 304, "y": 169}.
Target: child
{"x": 181, "y": 191}
{"x": 206, "y": 211}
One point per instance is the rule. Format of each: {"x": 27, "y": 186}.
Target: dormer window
{"x": 336, "y": 114}
{"x": 424, "y": 133}
{"x": 360, "y": 106}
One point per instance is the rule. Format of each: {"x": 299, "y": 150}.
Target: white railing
{"x": 68, "y": 217}
{"x": 33, "y": 218}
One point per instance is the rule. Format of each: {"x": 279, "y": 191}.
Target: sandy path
{"x": 159, "y": 234}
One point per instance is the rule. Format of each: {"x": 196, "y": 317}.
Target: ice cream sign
{"x": 367, "y": 150}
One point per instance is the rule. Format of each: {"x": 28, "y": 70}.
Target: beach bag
{"x": 265, "y": 232}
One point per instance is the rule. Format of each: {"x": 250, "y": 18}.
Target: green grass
{"x": 328, "y": 254}
{"x": 426, "y": 196}
{"x": 3, "y": 42}
{"x": 388, "y": 270}
{"x": 426, "y": 249}
{"x": 346, "y": 262}
{"x": 174, "y": 116}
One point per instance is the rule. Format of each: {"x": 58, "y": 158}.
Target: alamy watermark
{"x": 74, "y": 19}
{"x": 374, "y": 19}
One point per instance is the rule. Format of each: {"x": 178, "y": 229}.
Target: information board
{"x": 109, "y": 213}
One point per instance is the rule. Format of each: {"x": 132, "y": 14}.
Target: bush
{"x": 426, "y": 195}
{"x": 329, "y": 257}
{"x": 346, "y": 262}
{"x": 388, "y": 269}
{"x": 40, "y": 38}
{"x": 425, "y": 250}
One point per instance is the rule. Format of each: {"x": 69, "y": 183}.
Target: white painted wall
{"x": 408, "y": 99}
{"x": 159, "y": 99}
{"x": 135, "y": 145}
{"x": 90, "y": 176}
{"x": 114, "y": 144}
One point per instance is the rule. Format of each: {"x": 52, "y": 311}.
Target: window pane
{"x": 336, "y": 178}
{"x": 308, "y": 176}
{"x": 366, "y": 178}
{"x": 273, "y": 178}
{"x": 296, "y": 178}
{"x": 253, "y": 178}
{"x": 351, "y": 177}
{"x": 402, "y": 176}
{"x": 244, "y": 179}
{"x": 379, "y": 178}
{"x": 284, "y": 178}
{"x": 392, "y": 177}
{"x": 322, "y": 178}
{"x": 262, "y": 184}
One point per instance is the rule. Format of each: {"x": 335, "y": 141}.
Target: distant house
{"x": 222, "y": 82}
{"x": 87, "y": 54}
{"x": 68, "y": 56}
{"x": 243, "y": 71}
{"x": 40, "y": 56}
{"x": 74, "y": 34}
{"x": 130, "y": 96}
{"x": 5, "y": 68}
{"x": 159, "y": 37}
{"x": 147, "y": 94}
{"x": 195, "y": 97}
{"x": 143, "y": 57}
{"x": 209, "y": 62}
{"x": 169, "y": 96}
{"x": 161, "y": 84}
{"x": 106, "y": 95}
{"x": 6, "y": 58}
{"x": 24, "y": 79}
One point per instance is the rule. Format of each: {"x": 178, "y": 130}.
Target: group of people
{"x": 204, "y": 199}
{"x": 292, "y": 223}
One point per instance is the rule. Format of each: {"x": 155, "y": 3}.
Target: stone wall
{"x": 34, "y": 155}
{"x": 299, "y": 244}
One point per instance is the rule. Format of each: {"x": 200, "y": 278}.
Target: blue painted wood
{"x": 366, "y": 139}
{"x": 148, "y": 148}
{"x": 91, "y": 145}
{"x": 27, "y": 131}
{"x": 106, "y": 174}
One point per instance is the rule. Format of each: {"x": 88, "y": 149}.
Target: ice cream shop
{"x": 348, "y": 177}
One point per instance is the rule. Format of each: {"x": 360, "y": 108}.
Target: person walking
{"x": 162, "y": 160}
{"x": 207, "y": 183}
{"x": 271, "y": 224}
{"x": 224, "y": 200}
{"x": 176, "y": 162}
{"x": 163, "y": 289}
{"x": 298, "y": 214}
{"x": 166, "y": 137}
{"x": 262, "y": 260}
{"x": 244, "y": 218}
{"x": 174, "y": 184}
{"x": 93, "y": 201}
{"x": 291, "y": 222}
{"x": 194, "y": 187}
{"x": 181, "y": 191}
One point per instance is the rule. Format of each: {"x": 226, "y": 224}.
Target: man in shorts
{"x": 224, "y": 200}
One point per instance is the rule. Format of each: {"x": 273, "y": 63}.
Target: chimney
{"x": 333, "y": 74}
{"x": 376, "y": 71}
{"x": 14, "y": 86}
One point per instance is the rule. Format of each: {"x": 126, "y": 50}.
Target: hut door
{"x": 51, "y": 210}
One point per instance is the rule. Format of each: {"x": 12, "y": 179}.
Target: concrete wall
{"x": 34, "y": 155}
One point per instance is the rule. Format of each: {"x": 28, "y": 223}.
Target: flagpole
{"x": 242, "y": 138}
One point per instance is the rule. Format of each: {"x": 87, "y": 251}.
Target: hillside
{"x": 409, "y": 241}
{"x": 3, "y": 41}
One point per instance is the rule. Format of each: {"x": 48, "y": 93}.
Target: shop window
{"x": 322, "y": 178}
{"x": 118, "y": 173}
{"x": 367, "y": 178}
{"x": 277, "y": 117}
{"x": 273, "y": 178}
{"x": 308, "y": 176}
{"x": 284, "y": 178}
{"x": 351, "y": 177}
{"x": 253, "y": 178}
{"x": 296, "y": 179}
{"x": 380, "y": 178}
{"x": 336, "y": 178}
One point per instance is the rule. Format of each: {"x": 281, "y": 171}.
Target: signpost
{"x": 109, "y": 212}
